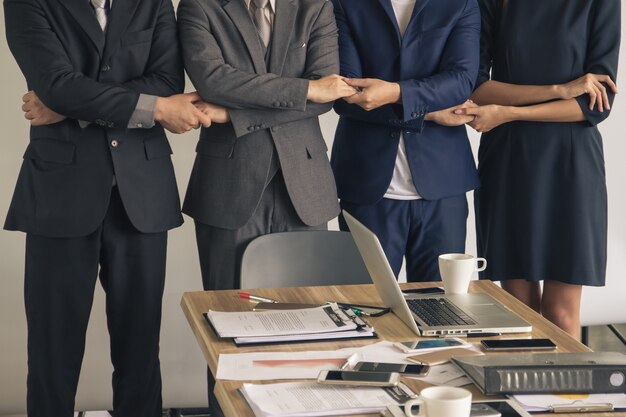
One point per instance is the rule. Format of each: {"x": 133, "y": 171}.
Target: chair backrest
{"x": 305, "y": 258}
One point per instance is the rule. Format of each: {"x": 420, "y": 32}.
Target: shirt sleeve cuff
{"x": 143, "y": 116}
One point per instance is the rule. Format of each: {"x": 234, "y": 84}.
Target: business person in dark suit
{"x": 96, "y": 192}
{"x": 266, "y": 68}
{"x": 541, "y": 213}
{"x": 401, "y": 156}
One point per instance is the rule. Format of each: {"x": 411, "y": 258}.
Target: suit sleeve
{"x": 49, "y": 72}
{"x": 219, "y": 83}
{"x": 350, "y": 66}
{"x": 454, "y": 82}
{"x": 487, "y": 36}
{"x": 322, "y": 59}
{"x": 602, "y": 52}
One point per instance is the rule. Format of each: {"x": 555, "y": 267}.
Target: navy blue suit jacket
{"x": 436, "y": 65}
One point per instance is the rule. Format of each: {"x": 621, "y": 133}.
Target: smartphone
{"x": 484, "y": 410}
{"x": 431, "y": 290}
{"x": 401, "y": 368}
{"x": 416, "y": 346}
{"x": 518, "y": 344}
{"x": 372, "y": 379}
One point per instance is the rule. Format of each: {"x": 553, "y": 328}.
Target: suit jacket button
{"x": 114, "y": 143}
{"x": 250, "y": 128}
{"x": 277, "y": 104}
{"x": 284, "y": 104}
{"x": 414, "y": 114}
{"x": 105, "y": 68}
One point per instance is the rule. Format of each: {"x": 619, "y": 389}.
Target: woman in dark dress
{"x": 541, "y": 211}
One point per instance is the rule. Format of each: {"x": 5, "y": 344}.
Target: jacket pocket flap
{"x": 216, "y": 148}
{"x": 157, "y": 148}
{"x": 51, "y": 150}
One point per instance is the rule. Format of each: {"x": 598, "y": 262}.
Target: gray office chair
{"x": 308, "y": 258}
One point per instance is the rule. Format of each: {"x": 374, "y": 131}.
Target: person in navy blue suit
{"x": 401, "y": 157}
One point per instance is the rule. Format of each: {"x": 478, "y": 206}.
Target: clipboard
{"x": 556, "y": 404}
{"x": 578, "y": 406}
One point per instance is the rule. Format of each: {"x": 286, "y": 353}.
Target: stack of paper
{"x": 324, "y": 322}
{"x": 309, "y": 399}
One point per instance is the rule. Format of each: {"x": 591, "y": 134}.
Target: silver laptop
{"x": 432, "y": 314}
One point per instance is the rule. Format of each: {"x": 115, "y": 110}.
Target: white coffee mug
{"x": 441, "y": 402}
{"x": 456, "y": 271}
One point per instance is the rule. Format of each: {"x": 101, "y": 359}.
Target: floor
{"x": 600, "y": 339}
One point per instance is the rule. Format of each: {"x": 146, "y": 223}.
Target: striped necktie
{"x": 261, "y": 20}
{"x": 101, "y": 13}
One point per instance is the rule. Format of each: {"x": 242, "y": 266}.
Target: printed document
{"x": 309, "y": 399}
{"x": 327, "y": 318}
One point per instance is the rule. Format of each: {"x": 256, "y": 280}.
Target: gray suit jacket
{"x": 225, "y": 61}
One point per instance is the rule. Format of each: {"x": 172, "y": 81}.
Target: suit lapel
{"x": 120, "y": 15}
{"x": 284, "y": 20}
{"x": 386, "y": 5}
{"x": 84, "y": 15}
{"x": 410, "y": 30}
{"x": 236, "y": 9}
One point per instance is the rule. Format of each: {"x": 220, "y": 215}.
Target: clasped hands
{"x": 178, "y": 113}
{"x": 488, "y": 117}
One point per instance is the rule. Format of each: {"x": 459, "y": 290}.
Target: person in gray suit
{"x": 267, "y": 68}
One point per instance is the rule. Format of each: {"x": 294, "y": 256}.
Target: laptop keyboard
{"x": 439, "y": 312}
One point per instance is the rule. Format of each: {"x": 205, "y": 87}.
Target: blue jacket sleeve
{"x": 454, "y": 82}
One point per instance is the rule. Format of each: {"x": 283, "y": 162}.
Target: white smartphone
{"x": 419, "y": 345}
{"x": 372, "y": 379}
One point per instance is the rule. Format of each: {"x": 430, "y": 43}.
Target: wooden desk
{"x": 388, "y": 327}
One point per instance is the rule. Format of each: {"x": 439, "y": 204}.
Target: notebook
{"x": 432, "y": 314}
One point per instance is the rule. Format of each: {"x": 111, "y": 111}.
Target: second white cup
{"x": 441, "y": 402}
{"x": 456, "y": 271}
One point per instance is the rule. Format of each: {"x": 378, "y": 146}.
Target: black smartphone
{"x": 518, "y": 344}
{"x": 431, "y": 290}
{"x": 375, "y": 379}
{"x": 401, "y": 368}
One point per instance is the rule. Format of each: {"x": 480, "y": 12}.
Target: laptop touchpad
{"x": 485, "y": 309}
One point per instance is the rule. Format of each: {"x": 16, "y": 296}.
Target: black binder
{"x": 547, "y": 373}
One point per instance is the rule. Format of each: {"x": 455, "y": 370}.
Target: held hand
{"x": 589, "y": 84}
{"x": 486, "y": 117}
{"x": 216, "y": 113}
{"x": 37, "y": 112}
{"x": 329, "y": 88}
{"x": 373, "y": 93}
{"x": 448, "y": 117}
{"x": 178, "y": 114}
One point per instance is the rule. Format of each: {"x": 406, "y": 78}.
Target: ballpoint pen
{"x": 256, "y": 298}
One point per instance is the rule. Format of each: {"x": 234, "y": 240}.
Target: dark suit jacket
{"x": 268, "y": 108}
{"x": 64, "y": 185}
{"x": 436, "y": 64}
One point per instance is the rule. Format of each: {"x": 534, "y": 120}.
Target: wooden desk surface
{"x": 388, "y": 327}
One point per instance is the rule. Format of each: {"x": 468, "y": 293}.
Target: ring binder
{"x": 581, "y": 407}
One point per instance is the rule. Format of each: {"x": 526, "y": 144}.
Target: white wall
{"x": 183, "y": 373}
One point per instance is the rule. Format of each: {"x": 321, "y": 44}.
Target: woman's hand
{"x": 448, "y": 117}
{"x": 486, "y": 117}
{"x": 589, "y": 84}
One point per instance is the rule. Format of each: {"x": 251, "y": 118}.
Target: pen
{"x": 356, "y": 310}
{"x": 256, "y": 298}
